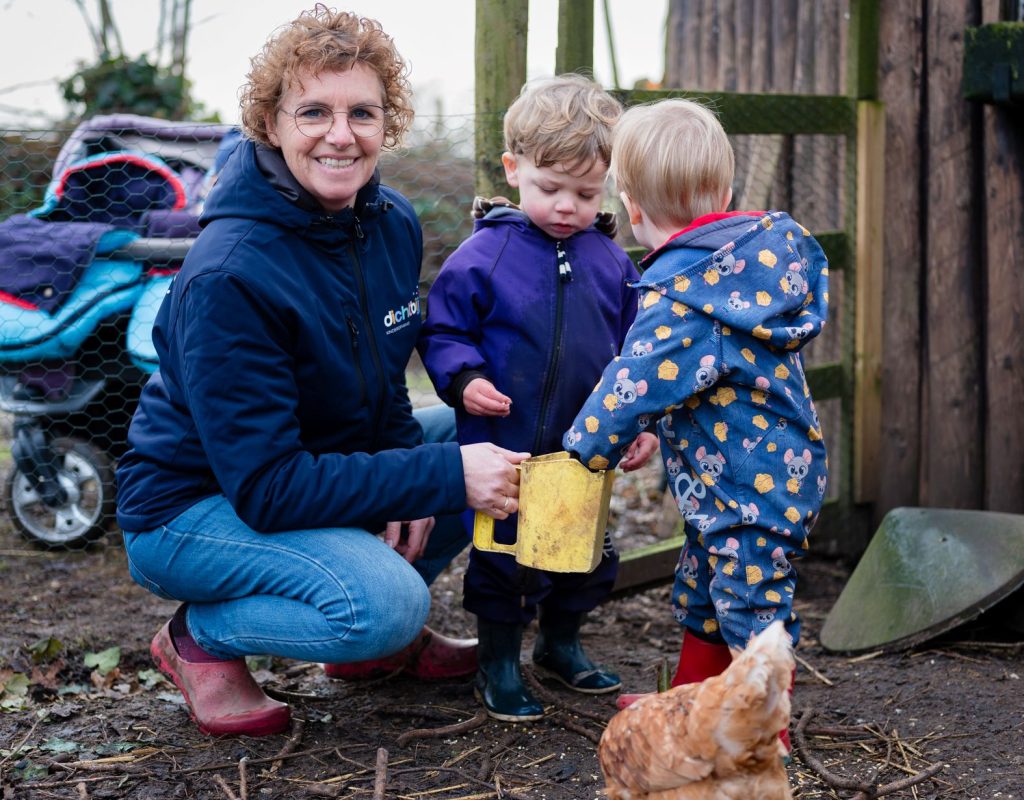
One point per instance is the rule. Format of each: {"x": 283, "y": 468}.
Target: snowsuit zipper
{"x": 565, "y": 275}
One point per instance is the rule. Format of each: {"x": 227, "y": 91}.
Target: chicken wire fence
{"x": 95, "y": 220}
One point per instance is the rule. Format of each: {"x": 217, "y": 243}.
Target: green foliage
{"x": 104, "y": 661}
{"x": 26, "y": 159}
{"x": 121, "y": 84}
{"x": 45, "y": 650}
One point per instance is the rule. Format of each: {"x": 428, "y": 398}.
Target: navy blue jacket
{"x": 283, "y": 344}
{"x": 505, "y": 306}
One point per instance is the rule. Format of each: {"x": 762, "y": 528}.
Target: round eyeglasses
{"x": 315, "y": 121}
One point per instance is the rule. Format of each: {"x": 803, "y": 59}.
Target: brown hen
{"x": 714, "y": 740}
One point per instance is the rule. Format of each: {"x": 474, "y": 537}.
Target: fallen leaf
{"x": 104, "y": 661}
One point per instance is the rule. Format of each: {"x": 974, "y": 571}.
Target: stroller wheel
{"x": 88, "y": 481}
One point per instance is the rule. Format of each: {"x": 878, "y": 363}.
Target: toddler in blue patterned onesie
{"x": 727, "y": 301}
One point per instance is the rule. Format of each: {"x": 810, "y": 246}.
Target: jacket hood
{"x": 256, "y": 184}
{"x": 765, "y": 276}
{"x": 500, "y": 211}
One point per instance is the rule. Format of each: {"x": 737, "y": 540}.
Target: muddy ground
{"x": 67, "y": 730}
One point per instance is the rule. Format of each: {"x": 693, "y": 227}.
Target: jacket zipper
{"x": 365, "y": 307}
{"x": 564, "y": 277}
{"x": 353, "y": 330}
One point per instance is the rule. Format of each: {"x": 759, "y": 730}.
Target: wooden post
{"x": 1003, "y": 179}
{"x": 575, "y": 50}
{"x": 902, "y": 50}
{"x": 862, "y": 54}
{"x": 952, "y": 429}
{"x": 501, "y": 27}
{"x": 867, "y": 365}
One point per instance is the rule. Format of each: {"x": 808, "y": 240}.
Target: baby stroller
{"x": 81, "y": 279}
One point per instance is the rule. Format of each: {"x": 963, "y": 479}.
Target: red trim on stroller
{"x": 10, "y": 299}
{"x": 127, "y": 158}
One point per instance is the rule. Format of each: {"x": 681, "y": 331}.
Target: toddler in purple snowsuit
{"x": 520, "y": 322}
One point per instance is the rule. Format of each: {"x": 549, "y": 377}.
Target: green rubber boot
{"x": 559, "y": 654}
{"x": 499, "y": 680}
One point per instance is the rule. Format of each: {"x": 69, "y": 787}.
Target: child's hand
{"x": 481, "y": 399}
{"x": 644, "y": 446}
{"x": 409, "y": 538}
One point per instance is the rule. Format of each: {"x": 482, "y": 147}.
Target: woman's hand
{"x": 409, "y": 538}
{"x": 643, "y": 447}
{"x": 492, "y": 480}
{"x": 481, "y": 399}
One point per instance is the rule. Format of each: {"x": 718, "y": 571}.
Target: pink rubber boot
{"x": 430, "y": 657}
{"x": 698, "y": 660}
{"x": 222, "y": 696}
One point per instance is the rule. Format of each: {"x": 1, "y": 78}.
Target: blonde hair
{"x": 566, "y": 120}
{"x": 673, "y": 159}
{"x": 325, "y": 40}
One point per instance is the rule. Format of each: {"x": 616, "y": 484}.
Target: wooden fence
{"x": 932, "y": 405}
{"x": 951, "y": 299}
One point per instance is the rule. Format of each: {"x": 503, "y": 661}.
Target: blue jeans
{"x": 333, "y": 594}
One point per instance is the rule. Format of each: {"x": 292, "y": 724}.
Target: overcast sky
{"x": 41, "y": 41}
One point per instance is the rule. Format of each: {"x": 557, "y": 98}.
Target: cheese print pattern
{"x": 713, "y": 359}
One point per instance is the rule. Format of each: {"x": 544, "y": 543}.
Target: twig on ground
{"x": 83, "y": 793}
{"x": 223, "y": 784}
{"x": 487, "y": 765}
{"x": 298, "y": 728}
{"x": 380, "y": 779}
{"x": 284, "y": 695}
{"x": 423, "y": 712}
{"x": 25, "y": 738}
{"x": 900, "y": 785}
{"x": 270, "y": 759}
{"x": 865, "y": 657}
{"x": 478, "y": 721}
{"x": 807, "y": 666}
{"x": 864, "y": 790}
{"x": 560, "y": 718}
{"x": 243, "y": 778}
{"x": 833, "y": 780}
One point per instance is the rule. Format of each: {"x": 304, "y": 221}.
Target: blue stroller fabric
{"x": 42, "y": 263}
{"x": 44, "y": 254}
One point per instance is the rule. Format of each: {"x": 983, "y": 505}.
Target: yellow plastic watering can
{"x": 563, "y": 513}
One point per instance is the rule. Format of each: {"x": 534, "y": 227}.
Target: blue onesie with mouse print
{"x": 713, "y": 358}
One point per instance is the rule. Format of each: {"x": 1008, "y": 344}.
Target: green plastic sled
{"x": 926, "y": 571}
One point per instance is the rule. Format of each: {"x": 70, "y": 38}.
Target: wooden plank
{"x": 1003, "y": 175}
{"x": 501, "y": 27}
{"x": 899, "y": 465}
{"x": 870, "y": 276}
{"x": 575, "y": 49}
{"x": 727, "y": 55}
{"x": 647, "y": 567}
{"x": 953, "y": 464}
{"x": 834, "y": 115}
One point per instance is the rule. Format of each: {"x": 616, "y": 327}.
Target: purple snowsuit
{"x": 540, "y": 319}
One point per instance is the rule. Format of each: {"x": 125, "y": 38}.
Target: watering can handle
{"x": 483, "y": 535}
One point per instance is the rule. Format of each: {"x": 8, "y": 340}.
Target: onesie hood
{"x": 765, "y": 276}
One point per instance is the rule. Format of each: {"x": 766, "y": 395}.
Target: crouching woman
{"x": 277, "y": 440}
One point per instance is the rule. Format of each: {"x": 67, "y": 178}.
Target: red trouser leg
{"x": 698, "y": 660}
